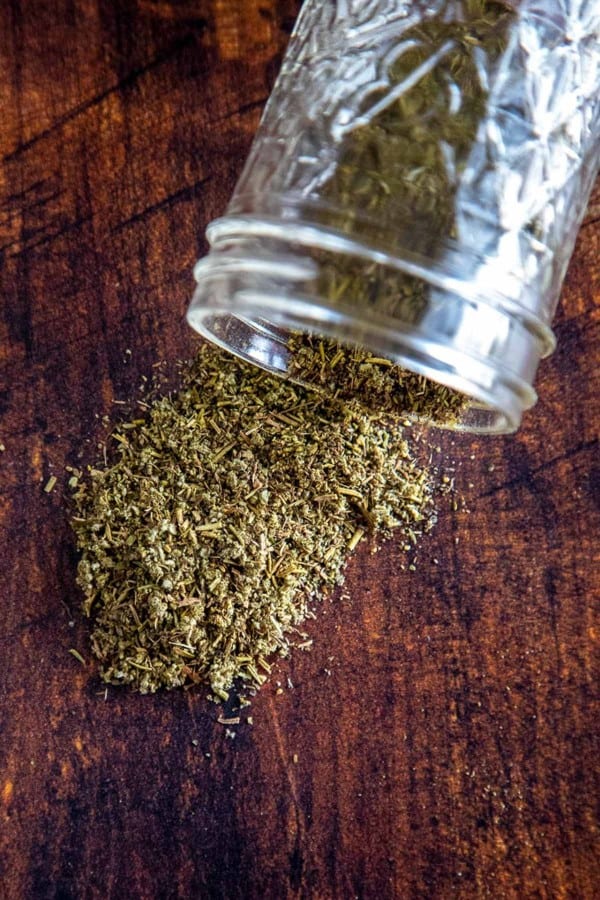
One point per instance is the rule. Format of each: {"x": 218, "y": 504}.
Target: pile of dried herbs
{"x": 223, "y": 513}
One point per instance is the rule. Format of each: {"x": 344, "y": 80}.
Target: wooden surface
{"x": 445, "y": 724}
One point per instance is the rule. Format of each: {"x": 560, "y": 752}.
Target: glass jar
{"x": 415, "y": 188}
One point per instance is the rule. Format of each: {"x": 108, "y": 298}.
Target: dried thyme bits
{"x": 224, "y": 512}
{"x": 375, "y": 383}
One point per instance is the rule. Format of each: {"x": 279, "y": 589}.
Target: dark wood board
{"x": 441, "y": 739}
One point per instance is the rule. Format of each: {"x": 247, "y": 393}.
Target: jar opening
{"x": 256, "y": 294}
{"x": 262, "y": 343}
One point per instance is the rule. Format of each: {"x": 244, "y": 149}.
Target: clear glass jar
{"x": 415, "y": 188}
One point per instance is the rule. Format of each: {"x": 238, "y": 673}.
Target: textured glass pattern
{"x": 415, "y": 186}
{"x": 520, "y": 192}
{"x": 531, "y": 170}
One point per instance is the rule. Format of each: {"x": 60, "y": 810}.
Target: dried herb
{"x": 50, "y": 484}
{"x": 223, "y": 514}
{"x": 374, "y": 382}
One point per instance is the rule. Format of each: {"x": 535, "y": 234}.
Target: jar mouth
{"x": 254, "y": 293}
{"x": 254, "y": 342}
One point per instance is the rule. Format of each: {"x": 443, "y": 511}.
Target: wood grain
{"x": 441, "y": 740}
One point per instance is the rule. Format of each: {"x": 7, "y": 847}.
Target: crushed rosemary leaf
{"x": 223, "y": 514}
